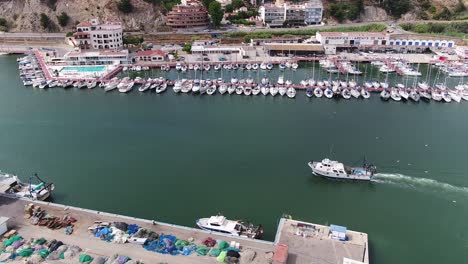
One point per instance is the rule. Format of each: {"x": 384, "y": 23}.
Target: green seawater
{"x": 176, "y": 158}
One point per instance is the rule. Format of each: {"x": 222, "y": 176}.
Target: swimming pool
{"x": 84, "y": 68}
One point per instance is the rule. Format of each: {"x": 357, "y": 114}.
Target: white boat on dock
{"x": 220, "y": 224}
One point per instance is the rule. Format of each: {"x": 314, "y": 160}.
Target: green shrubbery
{"x": 454, "y": 29}
{"x": 305, "y": 32}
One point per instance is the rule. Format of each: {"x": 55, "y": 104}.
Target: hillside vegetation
{"x": 148, "y": 15}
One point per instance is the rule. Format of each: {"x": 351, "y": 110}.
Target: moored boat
{"x": 220, "y": 224}
{"x": 11, "y": 185}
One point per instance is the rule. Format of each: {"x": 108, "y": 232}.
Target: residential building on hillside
{"x": 313, "y": 12}
{"x": 281, "y": 13}
{"x": 188, "y": 14}
{"x": 95, "y": 35}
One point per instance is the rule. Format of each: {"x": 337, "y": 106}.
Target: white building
{"x": 462, "y": 52}
{"x": 222, "y": 49}
{"x": 94, "y": 35}
{"x": 151, "y": 55}
{"x": 280, "y": 13}
{"x": 349, "y": 39}
{"x": 96, "y": 57}
{"x": 272, "y": 15}
{"x": 421, "y": 42}
{"x": 313, "y": 12}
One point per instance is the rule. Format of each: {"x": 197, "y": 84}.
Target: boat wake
{"x": 417, "y": 183}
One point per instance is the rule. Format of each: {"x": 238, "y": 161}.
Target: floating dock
{"x": 314, "y": 248}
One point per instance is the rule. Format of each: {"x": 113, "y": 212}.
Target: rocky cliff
{"x": 24, "y": 15}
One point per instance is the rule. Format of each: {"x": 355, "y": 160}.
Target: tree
{"x": 187, "y": 48}
{"x": 63, "y": 19}
{"x": 207, "y": 3}
{"x": 237, "y": 4}
{"x": 216, "y": 13}
{"x": 125, "y": 6}
{"x": 460, "y": 7}
{"x": 228, "y": 8}
{"x": 45, "y": 21}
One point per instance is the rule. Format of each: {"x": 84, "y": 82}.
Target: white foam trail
{"x": 415, "y": 182}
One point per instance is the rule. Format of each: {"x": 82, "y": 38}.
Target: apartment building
{"x": 99, "y": 36}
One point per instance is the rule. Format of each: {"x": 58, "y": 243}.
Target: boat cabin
{"x": 338, "y": 232}
{"x": 333, "y": 166}
{"x": 220, "y": 222}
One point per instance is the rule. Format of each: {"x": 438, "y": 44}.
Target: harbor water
{"x": 176, "y": 158}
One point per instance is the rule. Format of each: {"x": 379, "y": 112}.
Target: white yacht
{"x": 365, "y": 94}
{"x": 274, "y": 90}
{"x": 222, "y": 225}
{"x": 282, "y": 90}
{"x": 223, "y": 89}
{"x": 10, "y": 184}
{"x": 318, "y": 92}
{"x": 291, "y": 92}
{"x": 161, "y": 88}
{"x": 336, "y": 170}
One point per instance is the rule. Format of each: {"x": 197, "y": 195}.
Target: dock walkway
{"x": 304, "y": 250}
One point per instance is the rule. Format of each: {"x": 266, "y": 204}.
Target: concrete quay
{"x": 303, "y": 249}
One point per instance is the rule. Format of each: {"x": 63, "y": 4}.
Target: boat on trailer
{"x": 220, "y": 224}
{"x": 336, "y": 170}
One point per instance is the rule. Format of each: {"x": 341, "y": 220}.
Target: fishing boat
{"x": 291, "y": 92}
{"x": 333, "y": 169}
{"x": 318, "y": 92}
{"x": 220, "y": 224}
{"x": 11, "y": 185}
